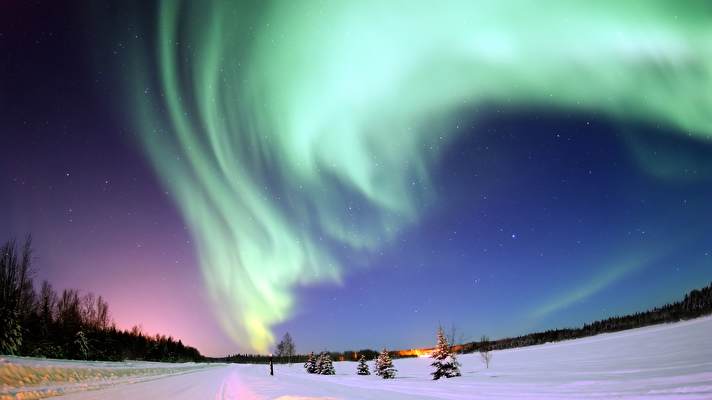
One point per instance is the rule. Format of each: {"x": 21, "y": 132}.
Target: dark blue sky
{"x": 541, "y": 218}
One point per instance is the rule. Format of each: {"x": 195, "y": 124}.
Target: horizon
{"x": 224, "y": 186}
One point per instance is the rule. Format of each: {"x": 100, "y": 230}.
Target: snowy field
{"x": 665, "y": 361}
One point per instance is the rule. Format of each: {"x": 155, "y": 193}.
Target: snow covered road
{"x": 670, "y": 361}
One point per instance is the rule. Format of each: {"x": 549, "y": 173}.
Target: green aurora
{"x": 265, "y": 122}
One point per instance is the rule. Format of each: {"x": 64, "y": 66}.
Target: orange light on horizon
{"x": 415, "y": 352}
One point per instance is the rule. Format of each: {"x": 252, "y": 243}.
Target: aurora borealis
{"x": 320, "y": 151}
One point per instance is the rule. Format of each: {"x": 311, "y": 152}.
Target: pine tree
{"x": 445, "y": 363}
{"x": 310, "y": 365}
{"x": 324, "y": 365}
{"x": 319, "y": 362}
{"x": 362, "y": 368}
{"x": 377, "y": 366}
{"x": 384, "y": 366}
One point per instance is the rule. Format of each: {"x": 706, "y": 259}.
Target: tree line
{"x": 46, "y": 323}
{"x": 695, "y": 304}
{"x": 348, "y": 355}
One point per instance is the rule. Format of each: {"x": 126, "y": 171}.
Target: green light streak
{"x": 609, "y": 275}
{"x": 265, "y": 124}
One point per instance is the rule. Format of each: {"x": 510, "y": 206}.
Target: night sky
{"x": 224, "y": 173}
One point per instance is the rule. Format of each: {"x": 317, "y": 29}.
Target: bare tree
{"x": 16, "y": 290}
{"x": 103, "y": 320}
{"x": 286, "y": 348}
{"x": 454, "y": 336}
{"x": 46, "y": 305}
{"x": 485, "y": 350}
{"x": 87, "y": 310}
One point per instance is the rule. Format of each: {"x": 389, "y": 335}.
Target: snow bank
{"x": 32, "y": 378}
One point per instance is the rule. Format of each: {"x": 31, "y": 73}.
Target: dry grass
{"x": 40, "y": 380}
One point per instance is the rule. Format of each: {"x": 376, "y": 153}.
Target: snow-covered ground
{"x": 670, "y": 361}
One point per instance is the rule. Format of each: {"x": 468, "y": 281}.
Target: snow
{"x": 670, "y": 361}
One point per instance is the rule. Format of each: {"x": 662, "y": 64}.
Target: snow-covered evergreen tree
{"x": 445, "y": 363}
{"x": 377, "y": 366}
{"x": 384, "y": 366}
{"x": 362, "y": 368}
{"x": 324, "y": 365}
{"x": 319, "y": 362}
{"x": 310, "y": 365}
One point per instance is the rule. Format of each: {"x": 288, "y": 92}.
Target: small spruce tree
{"x": 324, "y": 364}
{"x": 377, "y": 366}
{"x": 310, "y": 365}
{"x": 362, "y": 368}
{"x": 319, "y": 363}
{"x": 384, "y": 366}
{"x": 445, "y": 363}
